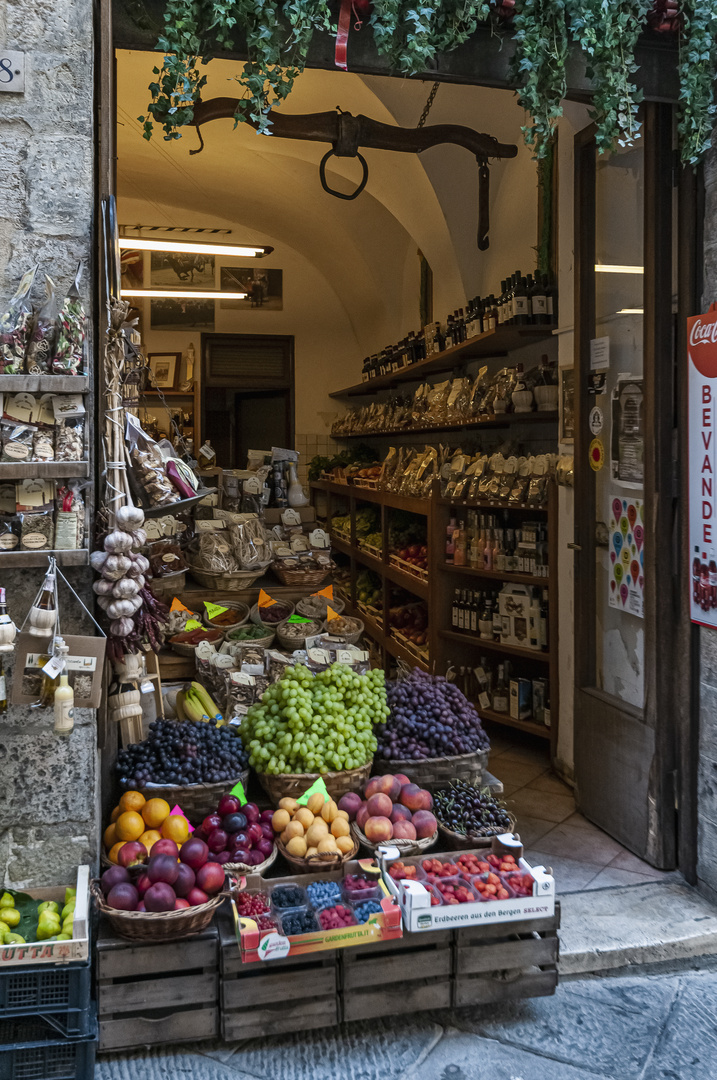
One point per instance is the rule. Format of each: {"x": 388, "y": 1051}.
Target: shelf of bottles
{"x": 524, "y": 311}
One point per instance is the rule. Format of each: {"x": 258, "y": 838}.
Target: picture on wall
{"x": 163, "y": 370}
{"x": 170, "y": 269}
{"x": 132, "y": 268}
{"x": 264, "y": 288}
{"x": 178, "y": 314}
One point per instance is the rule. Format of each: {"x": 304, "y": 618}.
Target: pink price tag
{"x": 178, "y": 810}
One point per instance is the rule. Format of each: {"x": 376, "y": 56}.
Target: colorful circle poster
{"x": 626, "y": 576}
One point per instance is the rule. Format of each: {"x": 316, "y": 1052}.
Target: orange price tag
{"x": 264, "y": 599}
{"x": 330, "y": 613}
{"x": 178, "y": 606}
{"x": 328, "y": 592}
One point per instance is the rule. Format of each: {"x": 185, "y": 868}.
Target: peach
{"x": 404, "y": 830}
{"x": 362, "y": 815}
{"x": 415, "y": 798}
{"x": 372, "y": 787}
{"x": 402, "y": 778}
{"x": 424, "y": 823}
{"x": 351, "y": 803}
{"x": 400, "y": 813}
{"x": 378, "y": 829}
{"x": 379, "y": 806}
{"x": 389, "y": 785}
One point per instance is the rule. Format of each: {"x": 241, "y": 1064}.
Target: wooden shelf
{"x": 167, "y": 393}
{"x": 491, "y": 422}
{"x": 474, "y": 504}
{"x": 494, "y": 575}
{"x": 495, "y": 646}
{"x": 406, "y": 581}
{"x": 400, "y": 652}
{"x": 380, "y": 498}
{"x": 20, "y": 559}
{"x": 497, "y": 342}
{"x": 18, "y": 470}
{"x": 45, "y": 384}
{"x": 528, "y": 726}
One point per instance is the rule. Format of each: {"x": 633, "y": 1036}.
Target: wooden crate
{"x": 151, "y": 994}
{"x": 395, "y": 977}
{"x": 506, "y": 961}
{"x": 280, "y": 995}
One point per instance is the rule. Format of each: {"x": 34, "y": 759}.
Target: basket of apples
{"x": 393, "y": 809}
{"x": 239, "y": 837}
{"x": 175, "y": 895}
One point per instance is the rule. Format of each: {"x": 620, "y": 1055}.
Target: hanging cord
{"x": 94, "y": 620}
{"x": 429, "y": 104}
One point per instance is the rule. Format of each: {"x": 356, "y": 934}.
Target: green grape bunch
{"x": 316, "y": 723}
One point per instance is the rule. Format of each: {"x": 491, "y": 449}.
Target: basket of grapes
{"x": 469, "y": 816}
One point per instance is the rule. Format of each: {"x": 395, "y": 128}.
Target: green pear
{"x": 7, "y": 900}
{"x": 48, "y": 905}
{"x": 13, "y": 939}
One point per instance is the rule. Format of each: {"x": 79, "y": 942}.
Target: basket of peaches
{"x": 393, "y": 810}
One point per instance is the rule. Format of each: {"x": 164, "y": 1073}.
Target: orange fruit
{"x": 132, "y": 800}
{"x": 175, "y": 827}
{"x": 115, "y": 814}
{"x": 154, "y": 812}
{"x": 110, "y": 838}
{"x": 129, "y": 825}
{"x": 114, "y": 852}
{"x": 150, "y": 837}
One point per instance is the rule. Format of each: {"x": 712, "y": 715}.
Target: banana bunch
{"x": 194, "y": 703}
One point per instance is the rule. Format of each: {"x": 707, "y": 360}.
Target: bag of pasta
{"x": 71, "y": 332}
{"x": 251, "y": 544}
{"x": 15, "y": 327}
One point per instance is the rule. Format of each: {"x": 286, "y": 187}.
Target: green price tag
{"x": 213, "y": 609}
{"x": 298, "y": 619}
{"x": 192, "y": 624}
{"x": 238, "y": 790}
{"x": 317, "y": 788}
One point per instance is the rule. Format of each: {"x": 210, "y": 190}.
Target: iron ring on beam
{"x": 340, "y": 194}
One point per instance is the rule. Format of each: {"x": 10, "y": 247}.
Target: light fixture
{"x": 184, "y": 247}
{"x": 184, "y": 294}
{"x": 609, "y": 268}
{"x": 631, "y": 311}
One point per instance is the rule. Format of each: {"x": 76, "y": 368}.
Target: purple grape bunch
{"x": 429, "y": 718}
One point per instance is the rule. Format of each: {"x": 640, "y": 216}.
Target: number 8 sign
{"x": 12, "y": 72}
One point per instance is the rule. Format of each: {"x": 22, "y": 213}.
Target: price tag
{"x": 328, "y": 592}
{"x": 214, "y": 609}
{"x": 238, "y": 791}
{"x": 178, "y": 812}
{"x": 331, "y": 614}
{"x": 241, "y": 678}
{"x": 319, "y": 539}
{"x": 343, "y": 656}
{"x": 317, "y": 788}
{"x": 319, "y": 656}
{"x": 177, "y": 605}
{"x": 264, "y": 599}
{"x": 291, "y": 517}
{"x": 298, "y": 619}
{"x": 252, "y": 486}
{"x": 146, "y": 687}
{"x": 53, "y": 667}
{"x": 192, "y": 624}
{"x": 484, "y": 700}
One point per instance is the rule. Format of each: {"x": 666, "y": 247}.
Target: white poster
{"x": 702, "y": 390}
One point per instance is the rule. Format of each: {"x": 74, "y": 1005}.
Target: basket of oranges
{"x": 136, "y": 825}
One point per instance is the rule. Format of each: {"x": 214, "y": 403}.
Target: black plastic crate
{"x": 58, "y": 993}
{"x": 30, "y": 1049}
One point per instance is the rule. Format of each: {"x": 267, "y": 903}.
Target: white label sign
{"x": 600, "y": 354}
{"x": 12, "y": 72}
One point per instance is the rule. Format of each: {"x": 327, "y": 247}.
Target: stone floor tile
{"x": 548, "y": 781}
{"x": 627, "y": 861}
{"x": 688, "y": 1047}
{"x": 531, "y": 829}
{"x": 532, "y": 755}
{"x": 586, "y": 845}
{"x": 574, "y": 1029}
{"x": 516, "y": 773}
{"x": 459, "y": 1056}
{"x": 611, "y": 876}
{"x": 654, "y": 994}
{"x": 579, "y": 822}
{"x": 570, "y": 874}
{"x": 375, "y": 1050}
{"x": 541, "y": 804}
{"x": 165, "y": 1063}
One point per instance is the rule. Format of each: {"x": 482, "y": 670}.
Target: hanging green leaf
{"x": 698, "y": 67}
{"x": 541, "y": 35}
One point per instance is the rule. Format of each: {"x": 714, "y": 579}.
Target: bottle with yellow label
{"x": 64, "y": 699}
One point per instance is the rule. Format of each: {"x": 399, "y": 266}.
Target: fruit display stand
{"x": 55, "y": 952}
{"x": 392, "y": 978}
{"x": 502, "y": 962}
{"x": 148, "y": 994}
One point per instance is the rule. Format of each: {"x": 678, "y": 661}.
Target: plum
{"x": 160, "y": 897}
{"x": 115, "y": 875}
{"x": 185, "y": 881}
{"x": 194, "y": 853}
{"x": 123, "y": 896}
{"x": 164, "y": 869}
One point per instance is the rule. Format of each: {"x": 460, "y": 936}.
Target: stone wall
{"x": 48, "y": 786}
{"x": 707, "y": 774}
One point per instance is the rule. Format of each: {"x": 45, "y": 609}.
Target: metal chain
{"x": 429, "y": 103}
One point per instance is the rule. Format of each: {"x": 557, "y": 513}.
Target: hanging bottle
{"x": 43, "y": 613}
{"x": 64, "y": 699}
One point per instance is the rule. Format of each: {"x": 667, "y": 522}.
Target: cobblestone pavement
{"x": 624, "y": 1027}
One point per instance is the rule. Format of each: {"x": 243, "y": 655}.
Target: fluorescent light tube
{"x": 184, "y": 294}
{"x": 244, "y": 251}
{"x": 609, "y": 268}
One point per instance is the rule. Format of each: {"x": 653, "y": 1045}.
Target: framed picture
{"x": 566, "y": 432}
{"x": 181, "y": 314}
{"x": 264, "y": 288}
{"x": 170, "y": 269}
{"x": 163, "y": 370}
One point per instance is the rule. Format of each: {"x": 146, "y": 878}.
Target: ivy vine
{"x": 541, "y": 35}
{"x": 698, "y": 66}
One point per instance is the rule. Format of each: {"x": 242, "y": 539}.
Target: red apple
{"x": 180, "y": 903}
{"x": 197, "y": 897}
{"x": 379, "y": 805}
{"x": 228, "y": 804}
{"x": 162, "y": 868}
{"x": 160, "y": 897}
{"x": 143, "y": 882}
{"x": 131, "y": 854}
{"x": 210, "y": 878}
{"x": 165, "y": 847}
{"x": 194, "y": 853}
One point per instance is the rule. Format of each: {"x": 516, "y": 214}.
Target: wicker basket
{"x": 291, "y": 785}
{"x": 291, "y": 642}
{"x": 454, "y": 841}
{"x": 437, "y": 770}
{"x": 195, "y": 800}
{"x": 241, "y": 611}
{"x": 337, "y": 605}
{"x": 183, "y": 648}
{"x": 350, "y": 639}
{"x": 419, "y": 572}
{"x": 234, "y": 581}
{"x": 257, "y": 620}
{"x": 318, "y": 864}
{"x": 261, "y": 642}
{"x": 168, "y": 584}
{"x": 406, "y": 847}
{"x": 260, "y": 868}
{"x": 157, "y": 926}
{"x": 301, "y": 577}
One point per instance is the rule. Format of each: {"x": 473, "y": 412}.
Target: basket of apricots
{"x": 313, "y": 837}
{"x": 139, "y": 826}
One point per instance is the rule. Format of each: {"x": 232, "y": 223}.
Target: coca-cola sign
{"x": 702, "y": 412}
{"x": 702, "y": 337}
